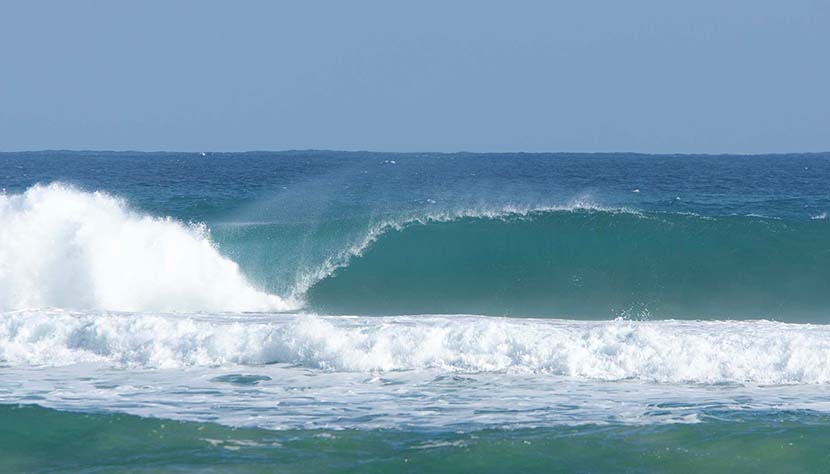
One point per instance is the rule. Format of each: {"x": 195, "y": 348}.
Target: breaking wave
{"x": 583, "y": 261}
{"x": 62, "y": 247}
{"x": 757, "y": 352}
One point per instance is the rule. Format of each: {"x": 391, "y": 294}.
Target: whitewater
{"x": 758, "y": 352}
{"x": 348, "y": 372}
{"x": 61, "y": 247}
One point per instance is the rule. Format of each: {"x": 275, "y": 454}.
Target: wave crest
{"x": 582, "y": 261}
{"x": 344, "y": 257}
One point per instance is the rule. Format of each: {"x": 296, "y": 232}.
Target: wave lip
{"x": 704, "y": 352}
{"x": 63, "y": 247}
{"x": 342, "y": 259}
{"x": 582, "y": 261}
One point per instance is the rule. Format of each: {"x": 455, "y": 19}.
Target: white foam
{"x": 756, "y": 352}
{"x": 62, "y": 247}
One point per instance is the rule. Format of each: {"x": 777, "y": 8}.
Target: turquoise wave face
{"x": 73, "y": 249}
{"x": 592, "y": 264}
{"x": 35, "y": 439}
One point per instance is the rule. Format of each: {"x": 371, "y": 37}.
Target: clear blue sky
{"x": 651, "y": 76}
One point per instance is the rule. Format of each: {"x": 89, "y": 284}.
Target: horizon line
{"x": 459, "y": 152}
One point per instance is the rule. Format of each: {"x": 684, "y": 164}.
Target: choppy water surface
{"x": 377, "y": 312}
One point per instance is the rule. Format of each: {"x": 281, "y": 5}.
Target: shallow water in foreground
{"x": 43, "y": 440}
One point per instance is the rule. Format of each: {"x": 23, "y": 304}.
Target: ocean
{"x": 319, "y": 311}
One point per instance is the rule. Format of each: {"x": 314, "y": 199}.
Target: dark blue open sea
{"x": 317, "y": 311}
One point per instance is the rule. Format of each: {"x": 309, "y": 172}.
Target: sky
{"x": 661, "y": 76}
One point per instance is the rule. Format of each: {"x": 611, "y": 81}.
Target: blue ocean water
{"x": 663, "y": 310}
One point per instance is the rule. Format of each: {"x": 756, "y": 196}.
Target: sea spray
{"x": 63, "y": 247}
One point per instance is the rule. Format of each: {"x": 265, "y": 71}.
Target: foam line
{"x": 755, "y": 352}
